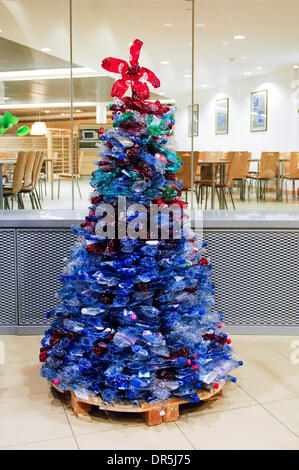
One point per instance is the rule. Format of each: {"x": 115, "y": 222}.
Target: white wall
{"x": 283, "y": 119}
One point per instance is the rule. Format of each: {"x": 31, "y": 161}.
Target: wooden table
{"x": 4, "y": 161}
{"x": 213, "y": 164}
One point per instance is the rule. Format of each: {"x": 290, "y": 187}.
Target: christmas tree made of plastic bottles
{"x": 136, "y": 319}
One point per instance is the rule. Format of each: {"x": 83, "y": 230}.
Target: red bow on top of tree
{"x": 132, "y": 74}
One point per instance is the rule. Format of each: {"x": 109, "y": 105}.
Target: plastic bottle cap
{"x": 229, "y": 341}
{"x": 133, "y": 316}
{"x": 56, "y": 381}
{"x": 216, "y": 386}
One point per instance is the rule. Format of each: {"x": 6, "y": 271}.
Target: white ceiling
{"x": 105, "y": 27}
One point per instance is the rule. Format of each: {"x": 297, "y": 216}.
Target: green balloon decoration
{"x": 24, "y": 130}
{"x": 8, "y": 121}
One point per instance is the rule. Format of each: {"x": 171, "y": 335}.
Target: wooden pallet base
{"x": 166, "y": 411}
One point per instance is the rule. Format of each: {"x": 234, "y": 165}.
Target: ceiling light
{"x": 259, "y": 68}
{"x": 45, "y": 49}
{"x": 187, "y": 76}
{"x": 62, "y": 105}
{"x": 296, "y": 66}
{"x": 47, "y": 73}
{"x": 239, "y": 36}
{"x": 164, "y": 62}
{"x": 204, "y": 86}
{"x": 200, "y": 25}
{"x": 247, "y": 73}
{"x": 168, "y": 25}
{"x": 38, "y": 128}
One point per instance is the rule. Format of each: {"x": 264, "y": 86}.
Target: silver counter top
{"x": 211, "y": 219}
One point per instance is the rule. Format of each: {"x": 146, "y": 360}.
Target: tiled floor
{"x": 261, "y": 411}
{"x": 65, "y": 202}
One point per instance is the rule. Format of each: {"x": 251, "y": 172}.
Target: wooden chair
{"x": 291, "y": 171}
{"x": 238, "y": 170}
{"x": 268, "y": 171}
{"x": 184, "y": 172}
{"x": 32, "y": 188}
{"x": 17, "y": 183}
{"x": 68, "y": 176}
{"x": 29, "y": 173}
{"x": 204, "y": 173}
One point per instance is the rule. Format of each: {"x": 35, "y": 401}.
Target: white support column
{"x": 101, "y": 113}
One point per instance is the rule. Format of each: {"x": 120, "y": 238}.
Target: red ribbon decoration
{"x": 132, "y": 75}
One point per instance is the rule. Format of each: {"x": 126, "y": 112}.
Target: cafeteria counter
{"x": 255, "y": 258}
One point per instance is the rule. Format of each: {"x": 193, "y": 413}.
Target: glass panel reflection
{"x": 246, "y": 76}
{"x": 35, "y": 87}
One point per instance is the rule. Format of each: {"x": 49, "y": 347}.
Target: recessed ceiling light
{"x": 247, "y": 73}
{"x": 259, "y": 68}
{"x": 45, "y": 49}
{"x": 200, "y": 25}
{"x": 204, "y": 86}
{"x": 239, "y": 36}
{"x": 296, "y": 66}
{"x": 187, "y": 76}
{"x": 168, "y": 25}
{"x": 164, "y": 62}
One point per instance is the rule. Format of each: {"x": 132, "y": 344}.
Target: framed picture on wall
{"x": 221, "y": 116}
{"x": 193, "y": 115}
{"x": 259, "y": 111}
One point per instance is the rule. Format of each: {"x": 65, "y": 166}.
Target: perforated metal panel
{"x": 256, "y": 275}
{"x": 40, "y": 263}
{"x": 8, "y": 288}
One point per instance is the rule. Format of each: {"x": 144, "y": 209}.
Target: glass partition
{"x": 35, "y": 96}
{"x": 236, "y": 102}
{"x": 107, "y": 30}
{"x": 246, "y": 88}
